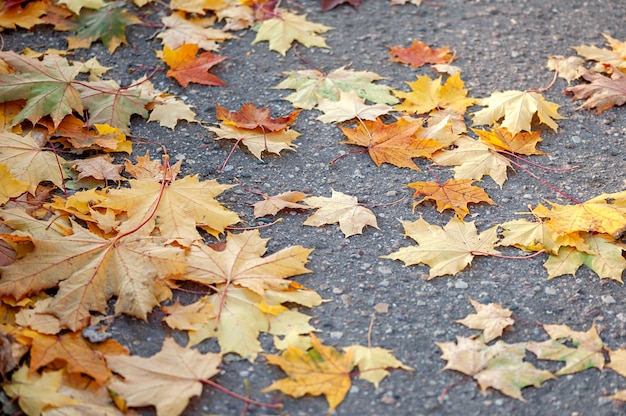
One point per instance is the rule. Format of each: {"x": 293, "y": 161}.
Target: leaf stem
{"x": 547, "y": 87}
{"x": 256, "y": 227}
{"x": 386, "y": 204}
{"x": 537, "y": 165}
{"x": 223, "y": 389}
{"x": 230, "y": 154}
{"x": 332, "y": 162}
{"x": 502, "y": 256}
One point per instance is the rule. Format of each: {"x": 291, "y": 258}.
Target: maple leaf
{"x": 420, "y": 54}
{"x": 99, "y": 167}
{"x": 452, "y": 194}
{"x": 602, "y": 92}
{"x": 272, "y": 204}
{"x": 284, "y": 29}
{"x": 257, "y": 141}
{"x": 73, "y": 134}
{"x": 236, "y": 316}
{"x": 569, "y": 68}
{"x": 76, "y": 5}
{"x": 341, "y": 208}
{"x": 166, "y": 380}
{"x": 186, "y": 68}
{"x": 491, "y": 318}
{"x": 110, "y": 104}
{"x": 28, "y": 162}
{"x": 532, "y": 236}
{"x": 45, "y": 85}
{"x": 523, "y": 143}
{"x": 349, "y": 106}
{"x": 473, "y": 159}
{"x": 321, "y": 370}
{"x": 373, "y": 362}
{"x": 517, "y": 108}
{"x": 25, "y": 17}
{"x": 618, "y": 361}
{"x": 251, "y": 117}
{"x": 196, "y": 6}
{"x": 180, "y": 30}
{"x": 151, "y": 170}
{"x": 446, "y": 250}
{"x": 605, "y": 213}
{"x": 600, "y": 253}
{"x": 587, "y": 351}
{"x": 37, "y": 320}
{"x": 605, "y": 57}
{"x": 9, "y": 186}
{"x": 331, "y": 4}
{"x": 89, "y": 270}
{"x": 167, "y": 110}
{"x": 312, "y": 84}
{"x": 179, "y": 206}
{"x": 107, "y": 24}
{"x": 428, "y": 94}
{"x": 499, "y": 366}
{"x": 36, "y": 392}
{"x": 391, "y": 143}
{"x": 79, "y": 355}
{"x": 241, "y": 263}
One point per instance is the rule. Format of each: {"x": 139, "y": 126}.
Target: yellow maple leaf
{"x": 166, "y": 380}
{"x": 614, "y": 57}
{"x": 180, "y": 30}
{"x": 196, "y": 6}
{"x": 9, "y": 186}
{"x": 283, "y": 30}
{"x": 491, "y": 318}
{"x": 500, "y": 138}
{"x": 517, "y": 109}
{"x": 257, "y": 140}
{"x": 321, "y": 370}
{"x": 428, "y": 94}
{"x": 271, "y": 205}
{"x": 36, "y": 392}
{"x": 341, "y": 208}
{"x": 76, "y": 5}
{"x": 350, "y": 106}
{"x": 446, "y": 250}
{"x": 27, "y": 16}
{"x": 373, "y": 362}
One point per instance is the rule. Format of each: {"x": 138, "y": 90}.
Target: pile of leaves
{"x": 71, "y": 246}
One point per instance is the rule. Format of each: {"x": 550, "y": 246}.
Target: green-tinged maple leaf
{"x": 473, "y": 159}
{"x": 28, "y": 162}
{"x": 177, "y": 209}
{"x": 446, "y": 250}
{"x": 600, "y": 253}
{"x": 89, "y": 270}
{"x": 491, "y": 318}
{"x": 428, "y": 94}
{"x": 320, "y": 370}
{"x": 35, "y": 392}
{"x": 107, "y": 24}
{"x": 586, "y": 352}
{"x": 500, "y": 366}
{"x": 311, "y": 84}
{"x": 605, "y": 213}
{"x": 47, "y": 86}
{"x": 166, "y": 380}
{"x": 343, "y": 209}
{"x": 281, "y": 31}
{"x": 453, "y": 194}
{"x": 373, "y": 362}
{"x": 108, "y": 103}
{"x": 236, "y": 316}
{"x": 517, "y": 109}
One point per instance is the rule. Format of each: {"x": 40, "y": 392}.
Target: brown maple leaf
{"x": 251, "y": 117}
{"x": 99, "y": 168}
{"x": 602, "y": 92}
{"x": 272, "y": 204}
{"x": 392, "y": 143}
{"x": 185, "y": 67}
{"x": 452, "y": 194}
{"x": 341, "y": 208}
{"x": 420, "y": 54}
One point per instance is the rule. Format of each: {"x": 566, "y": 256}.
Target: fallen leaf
{"x": 331, "y": 4}
{"x": 257, "y": 140}
{"x": 341, "y": 208}
{"x": 98, "y": 167}
{"x": 602, "y": 92}
{"x": 320, "y": 370}
{"x": 76, "y": 5}
{"x": 373, "y": 362}
{"x": 604, "y": 57}
{"x": 492, "y": 319}
{"x": 428, "y": 94}
{"x": 271, "y": 205}
{"x": 9, "y": 186}
{"x": 24, "y": 15}
{"x": 350, "y": 106}
{"x": 251, "y": 117}
{"x": 500, "y": 366}
{"x": 420, "y": 54}
{"x": 453, "y": 194}
{"x": 516, "y": 109}
{"x": 284, "y": 29}
{"x": 180, "y": 30}
{"x": 446, "y": 250}
{"x": 587, "y": 351}
{"x": 166, "y": 380}
{"x": 522, "y": 143}
{"x": 185, "y": 67}
{"x": 569, "y": 68}
{"x": 35, "y": 392}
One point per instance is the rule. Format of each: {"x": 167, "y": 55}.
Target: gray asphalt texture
{"x": 500, "y": 45}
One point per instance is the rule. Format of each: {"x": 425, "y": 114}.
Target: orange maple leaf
{"x": 392, "y": 143}
{"x": 251, "y": 117}
{"x": 186, "y": 68}
{"x": 452, "y": 194}
{"x": 500, "y": 138}
{"x": 420, "y": 54}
